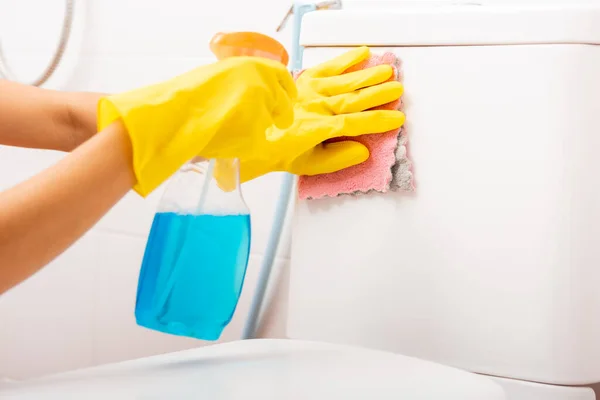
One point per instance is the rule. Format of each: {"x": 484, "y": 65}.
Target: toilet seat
{"x": 266, "y": 369}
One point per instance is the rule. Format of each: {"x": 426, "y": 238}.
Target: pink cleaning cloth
{"x": 388, "y": 167}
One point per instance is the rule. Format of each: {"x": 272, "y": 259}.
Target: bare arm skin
{"x": 41, "y": 217}
{"x": 45, "y": 119}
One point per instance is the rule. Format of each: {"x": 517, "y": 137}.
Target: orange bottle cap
{"x": 224, "y": 45}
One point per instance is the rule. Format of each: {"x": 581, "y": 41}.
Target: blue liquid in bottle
{"x": 208, "y": 254}
{"x": 197, "y": 253}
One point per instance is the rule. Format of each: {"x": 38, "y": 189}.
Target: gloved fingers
{"x": 283, "y": 110}
{"x": 285, "y": 96}
{"x": 250, "y": 170}
{"x": 285, "y": 78}
{"x": 367, "y": 122}
{"x": 339, "y": 64}
{"x": 370, "y": 97}
{"x": 332, "y": 157}
{"x": 347, "y": 83}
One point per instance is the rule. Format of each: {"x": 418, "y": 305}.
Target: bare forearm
{"x": 43, "y": 216}
{"x": 45, "y": 119}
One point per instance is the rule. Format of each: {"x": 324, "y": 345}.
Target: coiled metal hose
{"x": 5, "y": 71}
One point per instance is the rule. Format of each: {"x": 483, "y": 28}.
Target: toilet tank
{"x": 493, "y": 264}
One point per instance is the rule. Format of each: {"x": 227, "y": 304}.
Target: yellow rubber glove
{"x": 217, "y": 110}
{"x": 330, "y": 104}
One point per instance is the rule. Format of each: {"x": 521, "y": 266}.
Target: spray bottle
{"x": 199, "y": 244}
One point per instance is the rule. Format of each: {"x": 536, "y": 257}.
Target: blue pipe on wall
{"x": 285, "y": 192}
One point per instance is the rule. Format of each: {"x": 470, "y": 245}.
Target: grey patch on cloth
{"x": 402, "y": 176}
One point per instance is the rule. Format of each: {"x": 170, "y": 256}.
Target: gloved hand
{"x": 217, "y": 110}
{"x": 330, "y": 104}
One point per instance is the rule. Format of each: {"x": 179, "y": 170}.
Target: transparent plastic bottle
{"x": 197, "y": 251}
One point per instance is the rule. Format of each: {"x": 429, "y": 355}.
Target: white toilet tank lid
{"x": 453, "y": 25}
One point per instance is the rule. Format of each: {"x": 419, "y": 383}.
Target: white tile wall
{"x": 47, "y": 324}
{"x": 78, "y": 311}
